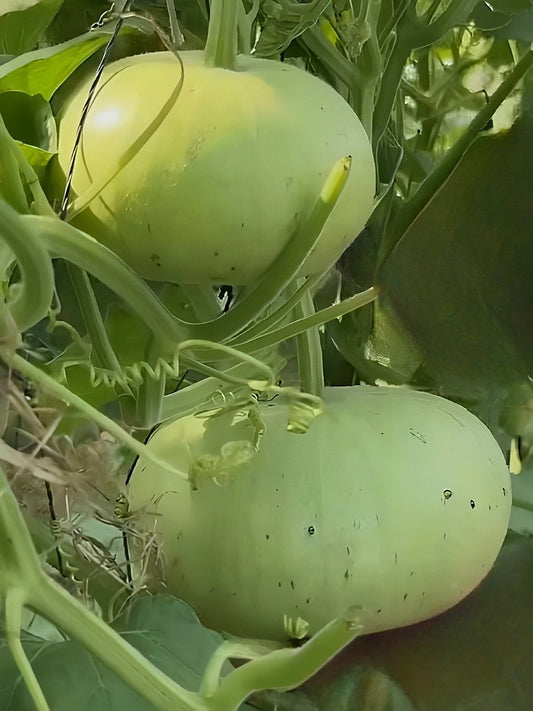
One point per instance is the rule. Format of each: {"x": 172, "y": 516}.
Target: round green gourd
{"x": 218, "y": 184}
{"x": 394, "y": 500}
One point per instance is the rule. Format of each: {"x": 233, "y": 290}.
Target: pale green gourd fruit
{"x": 221, "y": 173}
{"x": 394, "y": 500}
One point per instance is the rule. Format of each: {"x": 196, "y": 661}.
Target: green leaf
{"x": 29, "y": 119}
{"x": 23, "y": 22}
{"x": 284, "y": 21}
{"x": 163, "y": 628}
{"x": 513, "y": 20}
{"x": 44, "y": 70}
{"x": 459, "y": 281}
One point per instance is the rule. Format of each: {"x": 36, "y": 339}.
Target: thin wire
{"x": 100, "y": 69}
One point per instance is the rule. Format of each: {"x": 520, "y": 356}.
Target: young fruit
{"x": 206, "y": 184}
{"x": 394, "y": 500}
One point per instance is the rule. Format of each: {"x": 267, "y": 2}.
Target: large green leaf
{"x": 44, "y": 70}
{"x": 23, "y": 22}
{"x": 164, "y": 629}
{"x": 460, "y": 280}
{"x": 29, "y": 119}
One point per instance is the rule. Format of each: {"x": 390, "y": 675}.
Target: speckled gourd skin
{"x": 394, "y": 500}
{"x": 217, "y": 189}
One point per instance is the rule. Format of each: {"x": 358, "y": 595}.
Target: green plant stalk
{"x": 309, "y": 350}
{"x": 320, "y": 317}
{"x": 285, "y": 668}
{"x": 440, "y": 174}
{"x": 203, "y": 300}
{"x": 372, "y": 61}
{"x": 64, "y": 241}
{"x": 390, "y": 82}
{"x": 221, "y": 45}
{"x": 11, "y": 187}
{"x": 287, "y": 305}
{"x": 79, "y": 623}
{"x": 189, "y": 400}
{"x": 33, "y": 300}
{"x": 150, "y": 394}
{"x": 92, "y": 318}
{"x": 14, "y": 606}
{"x": 47, "y": 382}
{"x": 284, "y": 268}
{"x": 259, "y": 367}
{"x": 94, "y": 323}
{"x": 315, "y": 40}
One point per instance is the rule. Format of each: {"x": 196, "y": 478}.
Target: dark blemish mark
{"x": 405, "y": 597}
{"x": 348, "y": 550}
{"x": 382, "y": 433}
{"x": 292, "y": 584}
{"x": 472, "y": 504}
{"x": 411, "y": 573}
{"x": 346, "y": 574}
{"x": 155, "y": 257}
{"x": 377, "y": 519}
{"x": 311, "y": 530}
{"x": 232, "y": 269}
{"x": 321, "y": 108}
{"x": 504, "y": 492}
{"x": 267, "y": 537}
{"x": 277, "y": 506}
{"x": 490, "y": 507}
{"x": 216, "y": 254}
{"x": 444, "y": 537}
{"x": 447, "y": 494}
{"x": 308, "y": 601}
{"x": 234, "y": 594}
{"x": 396, "y": 559}
{"x": 212, "y": 589}
{"x": 279, "y": 584}
{"x": 242, "y": 224}
{"x": 143, "y": 469}
{"x": 417, "y": 435}
{"x": 277, "y": 489}
{"x": 149, "y": 228}
{"x": 378, "y": 611}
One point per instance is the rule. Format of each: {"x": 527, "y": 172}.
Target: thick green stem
{"x": 15, "y": 601}
{"x": 293, "y": 329}
{"x": 11, "y": 187}
{"x": 35, "y": 293}
{"x": 92, "y": 318}
{"x": 221, "y": 45}
{"x": 309, "y": 350}
{"x": 151, "y": 391}
{"x": 203, "y": 300}
{"x": 285, "y": 668}
{"x": 63, "y": 240}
